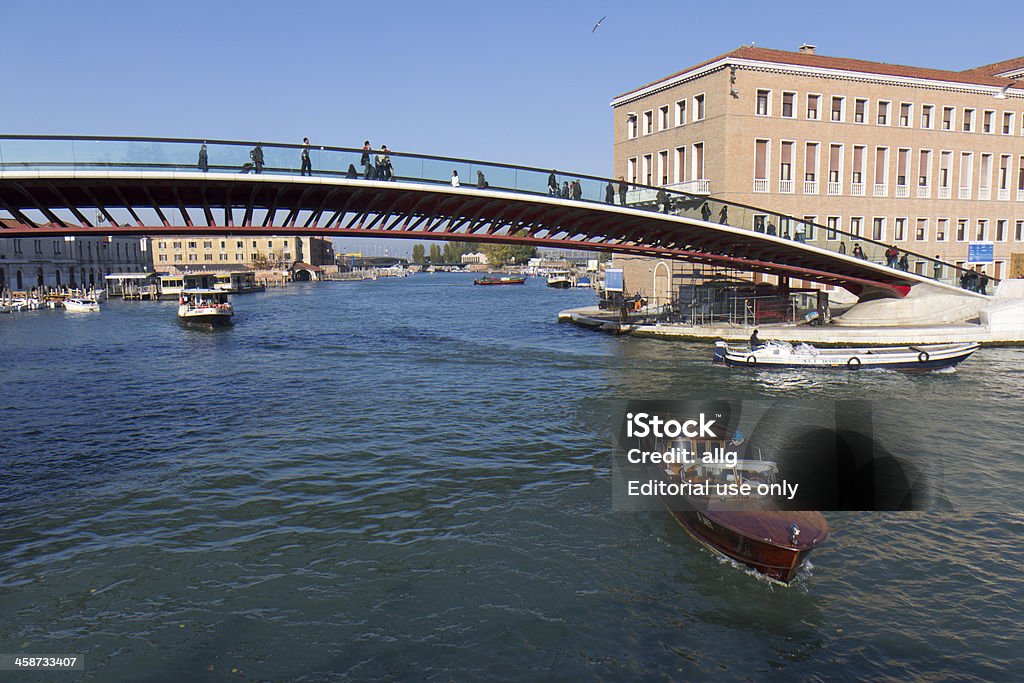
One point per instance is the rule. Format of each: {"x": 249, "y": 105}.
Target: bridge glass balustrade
{"x": 51, "y": 153}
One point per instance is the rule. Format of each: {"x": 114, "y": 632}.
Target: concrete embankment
{"x": 995, "y": 320}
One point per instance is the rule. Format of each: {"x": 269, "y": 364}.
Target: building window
{"x": 786, "y": 167}
{"x": 239, "y": 244}
{"x": 906, "y": 111}
{"x": 902, "y": 161}
{"x": 813, "y": 101}
{"x": 287, "y": 256}
{"x": 630, "y": 126}
{"x": 631, "y": 174}
{"x": 987, "y": 118}
{"x": 899, "y": 229}
{"x": 193, "y": 257}
{"x": 1001, "y": 231}
{"x": 163, "y": 258}
{"x": 240, "y": 258}
{"x": 223, "y": 257}
{"x": 1007, "y": 122}
{"x": 924, "y": 168}
{"x": 680, "y": 172}
{"x": 161, "y": 245}
{"x": 808, "y": 224}
{"x": 860, "y": 110}
{"x": 941, "y": 229}
{"x": 968, "y": 120}
{"x": 961, "y": 230}
{"x": 698, "y": 161}
{"x": 838, "y": 109}
{"x": 176, "y": 245}
{"x": 883, "y": 113}
{"x": 926, "y": 116}
{"x": 832, "y": 234}
{"x": 788, "y": 105}
{"x": 761, "y": 165}
{"x": 648, "y": 122}
{"x": 698, "y": 105}
{"x": 270, "y": 244}
{"x": 811, "y": 162}
{"x": 947, "y": 118}
{"x": 878, "y": 229}
{"x": 254, "y": 244}
{"x": 223, "y": 244}
{"x": 857, "y": 177}
{"x": 56, "y": 248}
{"x": 857, "y": 226}
{"x": 648, "y": 170}
{"x": 764, "y": 98}
{"x": 663, "y": 166}
{"x": 663, "y": 117}
{"x": 982, "y": 233}
{"x": 921, "y": 233}
{"x": 681, "y": 113}
{"x": 208, "y": 245}
{"x": 1018, "y": 231}
{"x": 191, "y": 245}
{"x": 207, "y": 257}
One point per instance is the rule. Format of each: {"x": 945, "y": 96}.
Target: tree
{"x": 501, "y": 254}
{"x": 418, "y": 253}
{"x": 454, "y": 251}
{"x": 435, "y": 253}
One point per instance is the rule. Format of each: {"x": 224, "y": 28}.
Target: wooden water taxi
{"x": 502, "y": 280}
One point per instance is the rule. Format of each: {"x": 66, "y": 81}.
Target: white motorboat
{"x": 205, "y": 307}
{"x": 560, "y": 279}
{"x": 780, "y": 354}
{"x": 81, "y": 305}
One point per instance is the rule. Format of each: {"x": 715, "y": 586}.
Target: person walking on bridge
{"x": 552, "y": 184}
{"x": 204, "y": 159}
{"x": 623, "y": 187}
{"x": 307, "y": 166}
{"x": 364, "y": 161}
{"x": 257, "y": 157}
{"x": 609, "y": 193}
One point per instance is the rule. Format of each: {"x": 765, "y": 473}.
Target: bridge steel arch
{"x": 332, "y": 207}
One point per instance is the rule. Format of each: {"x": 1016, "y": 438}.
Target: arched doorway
{"x": 20, "y": 281}
{"x": 59, "y": 278}
{"x": 302, "y": 275}
{"x": 39, "y": 278}
{"x": 662, "y": 286}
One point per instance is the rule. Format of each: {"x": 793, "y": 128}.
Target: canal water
{"x": 410, "y": 479}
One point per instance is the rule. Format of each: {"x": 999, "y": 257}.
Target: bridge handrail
{"x": 672, "y": 197}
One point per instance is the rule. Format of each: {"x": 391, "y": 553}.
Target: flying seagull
{"x": 598, "y": 23}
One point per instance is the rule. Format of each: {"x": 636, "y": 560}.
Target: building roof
{"x": 979, "y": 76}
{"x": 1005, "y": 66}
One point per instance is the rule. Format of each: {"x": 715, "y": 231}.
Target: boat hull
{"x": 500, "y": 281}
{"x": 209, "y": 319}
{"x": 560, "y": 284}
{"x": 778, "y": 563}
{"x": 914, "y": 359}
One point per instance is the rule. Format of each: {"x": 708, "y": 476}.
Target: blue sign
{"x": 980, "y": 252}
{"x": 613, "y": 280}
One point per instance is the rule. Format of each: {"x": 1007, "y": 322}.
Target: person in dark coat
{"x": 904, "y": 262}
{"x": 577, "y": 190}
{"x": 481, "y": 181}
{"x": 609, "y": 193}
{"x": 307, "y": 165}
{"x": 552, "y": 184}
{"x": 204, "y": 160}
{"x": 842, "y": 247}
{"x": 623, "y": 187}
{"x": 663, "y": 200}
{"x": 983, "y": 282}
{"x": 755, "y": 343}
{"x": 565, "y": 189}
{"x": 705, "y": 212}
{"x": 723, "y": 215}
{"x": 352, "y": 172}
{"x": 364, "y": 161}
{"x": 257, "y": 157}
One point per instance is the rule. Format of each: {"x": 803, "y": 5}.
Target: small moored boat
{"x": 502, "y": 280}
{"x": 81, "y": 305}
{"x": 780, "y": 354}
{"x": 205, "y": 307}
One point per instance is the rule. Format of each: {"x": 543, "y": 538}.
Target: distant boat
{"x": 205, "y": 307}
{"x": 81, "y": 305}
{"x": 780, "y": 354}
{"x": 503, "y": 280}
{"x": 560, "y": 279}
{"x": 583, "y": 282}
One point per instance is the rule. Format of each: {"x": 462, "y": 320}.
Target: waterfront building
{"x": 926, "y": 159}
{"x": 77, "y": 262}
{"x": 189, "y": 252}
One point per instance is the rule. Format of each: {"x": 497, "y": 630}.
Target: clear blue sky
{"x": 522, "y": 82}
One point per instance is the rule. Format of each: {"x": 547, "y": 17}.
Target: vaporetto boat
{"x": 780, "y": 354}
